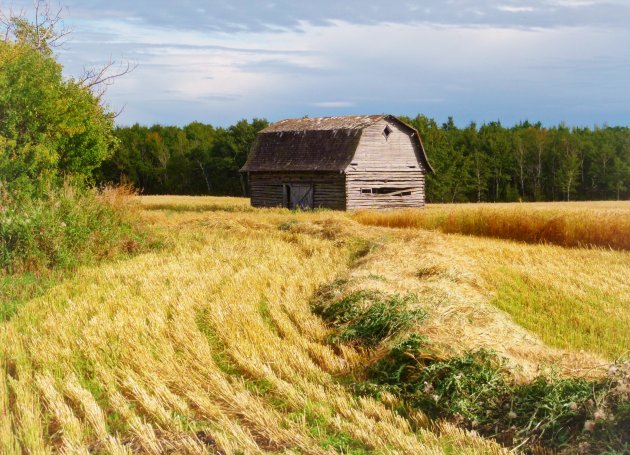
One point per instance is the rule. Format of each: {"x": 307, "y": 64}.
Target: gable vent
{"x": 387, "y": 131}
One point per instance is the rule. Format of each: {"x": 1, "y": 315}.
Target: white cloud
{"x": 583, "y": 3}
{"x": 516, "y": 9}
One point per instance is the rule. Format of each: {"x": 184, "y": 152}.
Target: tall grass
{"x": 63, "y": 227}
{"x": 560, "y": 224}
{"x": 43, "y": 236}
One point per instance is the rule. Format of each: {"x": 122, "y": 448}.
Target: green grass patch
{"x": 361, "y": 247}
{"x": 219, "y": 351}
{"x": 15, "y": 290}
{"x": 180, "y": 207}
{"x": 474, "y": 390}
{"x": 316, "y": 417}
{"x": 344, "y": 443}
{"x": 265, "y": 314}
{"x": 367, "y": 318}
{"x": 588, "y": 321}
{"x": 287, "y": 225}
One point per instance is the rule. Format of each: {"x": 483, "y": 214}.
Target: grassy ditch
{"x": 43, "y": 236}
{"x": 475, "y": 390}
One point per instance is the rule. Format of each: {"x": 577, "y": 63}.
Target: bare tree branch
{"x": 98, "y": 78}
{"x": 45, "y": 31}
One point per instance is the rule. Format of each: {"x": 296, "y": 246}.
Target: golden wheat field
{"x": 574, "y": 224}
{"x": 209, "y": 345}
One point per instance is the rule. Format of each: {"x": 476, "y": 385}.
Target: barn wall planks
{"x": 328, "y": 188}
{"x": 412, "y": 181}
{"x": 382, "y": 161}
{"x": 375, "y": 170}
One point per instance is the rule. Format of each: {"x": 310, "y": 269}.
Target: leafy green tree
{"x": 569, "y": 162}
{"x": 200, "y": 138}
{"x": 49, "y": 126}
{"x": 619, "y": 176}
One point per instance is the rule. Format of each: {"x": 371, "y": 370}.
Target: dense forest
{"x": 491, "y": 162}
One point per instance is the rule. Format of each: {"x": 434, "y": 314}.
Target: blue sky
{"x": 482, "y": 60}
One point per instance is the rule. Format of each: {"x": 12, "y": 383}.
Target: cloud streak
{"x": 278, "y": 15}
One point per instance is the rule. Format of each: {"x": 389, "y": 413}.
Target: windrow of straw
{"x": 205, "y": 346}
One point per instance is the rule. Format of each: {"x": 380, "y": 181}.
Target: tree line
{"x": 527, "y": 162}
{"x": 487, "y": 163}
{"x": 196, "y": 159}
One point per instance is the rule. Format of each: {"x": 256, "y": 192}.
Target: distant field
{"x": 210, "y": 344}
{"x": 603, "y": 224}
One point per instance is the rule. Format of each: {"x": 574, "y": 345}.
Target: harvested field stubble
{"x": 210, "y": 345}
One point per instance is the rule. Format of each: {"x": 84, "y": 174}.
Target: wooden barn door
{"x": 298, "y": 195}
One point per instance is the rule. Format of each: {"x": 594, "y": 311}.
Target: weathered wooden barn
{"x": 344, "y": 163}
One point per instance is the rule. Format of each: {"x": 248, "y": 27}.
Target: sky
{"x": 476, "y": 60}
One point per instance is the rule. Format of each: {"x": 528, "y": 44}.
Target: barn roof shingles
{"x": 313, "y": 144}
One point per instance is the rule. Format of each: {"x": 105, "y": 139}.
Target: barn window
{"x": 384, "y": 190}
{"x": 387, "y": 191}
{"x": 387, "y": 131}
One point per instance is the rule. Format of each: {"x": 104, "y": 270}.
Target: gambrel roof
{"x": 316, "y": 144}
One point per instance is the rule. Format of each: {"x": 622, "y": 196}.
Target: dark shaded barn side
{"x": 269, "y": 189}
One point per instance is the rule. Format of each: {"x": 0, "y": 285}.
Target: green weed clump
{"x": 475, "y": 390}
{"x": 366, "y": 318}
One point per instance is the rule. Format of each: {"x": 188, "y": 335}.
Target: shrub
{"x": 63, "y": 227}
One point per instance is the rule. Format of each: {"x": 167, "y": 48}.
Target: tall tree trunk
{"x": 521, "y": 164}
{"x": 478, "y": 185}
{"x": 205, "y": 177}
